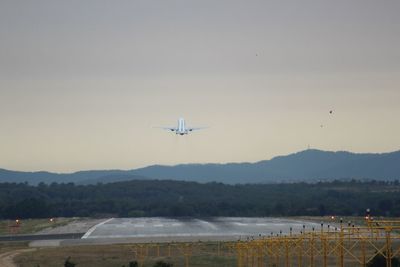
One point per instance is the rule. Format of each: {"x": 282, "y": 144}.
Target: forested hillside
{"x": 173, "y": 198}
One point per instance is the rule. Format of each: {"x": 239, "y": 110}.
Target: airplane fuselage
{"x": 181, "y": 129}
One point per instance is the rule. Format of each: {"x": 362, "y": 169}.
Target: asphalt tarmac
{"x": 224, "y": 227}
{"x": 9, "y": 238}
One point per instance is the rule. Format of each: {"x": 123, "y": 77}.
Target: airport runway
{"x": 220, "y": 227}
{"x": 147, "y": 230}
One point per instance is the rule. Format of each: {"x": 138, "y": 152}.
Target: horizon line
{"x": 221, "y": 163}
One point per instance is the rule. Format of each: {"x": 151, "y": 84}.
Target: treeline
{"x": 176, "y": 198}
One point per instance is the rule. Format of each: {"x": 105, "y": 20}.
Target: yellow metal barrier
{"x": 346, "y": 246}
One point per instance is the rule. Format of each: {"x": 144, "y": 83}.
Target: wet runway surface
{"x": 218, "y": 227}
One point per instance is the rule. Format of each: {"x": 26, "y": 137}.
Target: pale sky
{"x": 83, "y": 83}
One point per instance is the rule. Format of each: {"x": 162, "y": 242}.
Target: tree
{"x": 321, "y": 210}
{"x": 69, "y": 263}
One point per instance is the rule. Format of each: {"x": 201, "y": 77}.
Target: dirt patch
{"x": 7, "y": 259}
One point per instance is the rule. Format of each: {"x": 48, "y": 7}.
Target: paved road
{"x": 40, "y": 237}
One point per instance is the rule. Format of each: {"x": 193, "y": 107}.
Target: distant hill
{"x": 82, "y": 177}
{"x": 309, "y": 165}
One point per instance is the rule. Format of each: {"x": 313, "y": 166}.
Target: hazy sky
{"x": 82, "y": 83}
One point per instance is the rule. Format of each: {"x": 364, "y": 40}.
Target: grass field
{"x": 30, "y": 226}
{"x": 121, "y": 255}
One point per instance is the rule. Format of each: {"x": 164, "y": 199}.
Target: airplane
{"x": 181, "y": 129}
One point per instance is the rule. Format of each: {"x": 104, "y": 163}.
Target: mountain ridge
{"x": 307, "y": 165}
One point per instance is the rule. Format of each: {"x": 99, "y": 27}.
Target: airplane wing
{"x": 172, "y": 129}
{"x": 195, "y": 128}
